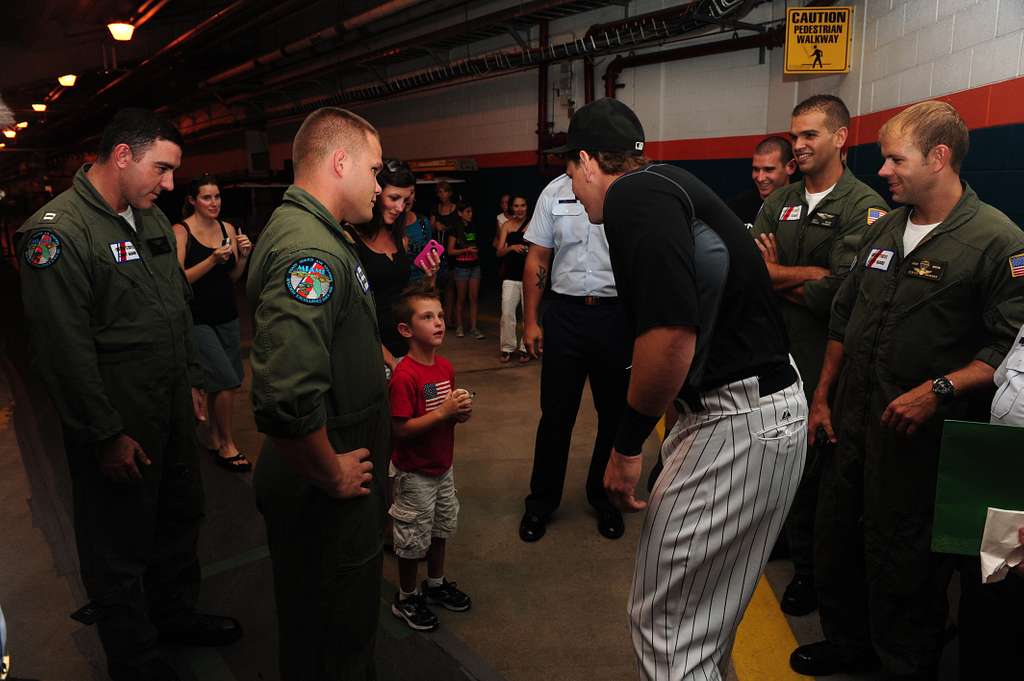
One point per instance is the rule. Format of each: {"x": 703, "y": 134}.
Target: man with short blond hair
{"x": 929, "y": 309}
{"x": 319, "y": 394}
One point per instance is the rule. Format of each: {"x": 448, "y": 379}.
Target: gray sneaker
{"x": 476, "y": 333}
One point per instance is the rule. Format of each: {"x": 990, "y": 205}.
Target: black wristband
{"x": 633, "y": 431}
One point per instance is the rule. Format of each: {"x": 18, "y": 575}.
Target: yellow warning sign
{"x": 818, "y": 39}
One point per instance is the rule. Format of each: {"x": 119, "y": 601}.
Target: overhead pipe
{"x": 331, "y": 61}
{"x": 182, "y": 39}
{"x": 379, "y": 12}
{"x": 768, "y": 39}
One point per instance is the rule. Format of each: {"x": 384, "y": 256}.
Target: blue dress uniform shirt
{"x": 580, "y": 265}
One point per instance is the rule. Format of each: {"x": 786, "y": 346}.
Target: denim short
{"x": 467, "y": 273}
{"x": 219, "y": 355}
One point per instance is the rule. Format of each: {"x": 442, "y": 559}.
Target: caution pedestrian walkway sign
{"x": 818, "y": 39}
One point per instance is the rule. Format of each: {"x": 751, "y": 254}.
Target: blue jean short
{"x": 219, "y": 354}
{"x": 467, "y": 273}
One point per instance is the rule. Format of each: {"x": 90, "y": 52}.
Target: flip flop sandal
{"x": 237, "y": 463}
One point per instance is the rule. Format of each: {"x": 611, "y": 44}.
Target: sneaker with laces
{"x": 414, "y": 611}
{"x": 476, "y": 333}
{"x": 448, "y": 596}
{"x": 458, "y": 332}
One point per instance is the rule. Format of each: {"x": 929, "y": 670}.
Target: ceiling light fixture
{"x": 21, "y": 125}
{"x": 10, "y": 134}
{"x": 67, "y": 80}
{"x": 3, "y": 145}
{"x": 121, "y": 30}
{"x": 39, "y": 107}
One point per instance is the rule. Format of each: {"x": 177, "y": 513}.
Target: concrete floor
{"x": 550, "y": 610}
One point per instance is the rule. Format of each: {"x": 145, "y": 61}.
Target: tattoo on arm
{"x": 542, "y": 277}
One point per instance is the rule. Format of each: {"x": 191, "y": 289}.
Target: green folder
{"x": 980, "y": 465}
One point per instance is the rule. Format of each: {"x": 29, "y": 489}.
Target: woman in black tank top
{"x": 512, "y": 249}
{"x": 214, "y": 255}
{"x": 383, "y": 249}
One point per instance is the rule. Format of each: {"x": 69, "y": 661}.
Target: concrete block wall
{"x": 929, "y": 48}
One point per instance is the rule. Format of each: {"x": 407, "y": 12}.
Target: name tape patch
{"x": 124, "y": 251}
{"x": 879, "y": 259}
{"x": 791, "y": 213}
{"x": 43, "y": 249}
{"x": 310, "y": 281}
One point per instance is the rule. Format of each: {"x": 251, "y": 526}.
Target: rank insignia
{"x": 791, "y": 213}
{"x": 361, "y": 278}
{"x": 43, "y": 249}
{"x": 874, "y": 214}
{"x": 49, "y": 217}
{"x": 879, "y": 259}
{"x": 124, "y": 251}
{"x": 1017, "y": 265}
{"x": 310, "y": 281}
{"x": 926, "y": 269}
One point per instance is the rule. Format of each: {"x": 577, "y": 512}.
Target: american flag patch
{"x": 874, "y": 214}
{"x": 1017, "y": 265}
{"x": 436, "y": 393}
{"x": 791, "y": 213}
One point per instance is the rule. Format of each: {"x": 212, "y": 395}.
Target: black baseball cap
{"x": 604, "y": 125}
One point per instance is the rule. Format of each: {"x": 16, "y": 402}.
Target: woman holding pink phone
{"x": 214, "y": 254}
{"x": 383, "y": 247}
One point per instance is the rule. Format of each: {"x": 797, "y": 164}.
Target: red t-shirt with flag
{"x": 415, "y": 390}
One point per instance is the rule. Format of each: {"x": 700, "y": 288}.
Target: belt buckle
{"x": 591, "y": 300}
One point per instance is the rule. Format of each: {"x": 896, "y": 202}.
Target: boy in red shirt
{"x": 425, "y": 406}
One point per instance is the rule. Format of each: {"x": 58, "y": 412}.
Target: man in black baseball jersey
{"x": 708, "y": 339}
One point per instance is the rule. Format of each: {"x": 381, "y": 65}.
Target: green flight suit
{"x": 828, "y": 237}
{"x": 903, "y": 319}
{"x": 111, "y": 334}
{"x": 316, "y": 362}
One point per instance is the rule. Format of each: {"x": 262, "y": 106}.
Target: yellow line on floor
{"x": 764, "y": 640}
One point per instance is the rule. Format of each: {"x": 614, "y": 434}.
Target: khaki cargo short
{"x": 423, "y": 508}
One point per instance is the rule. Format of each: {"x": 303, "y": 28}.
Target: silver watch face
{"x": 942, "y": 387}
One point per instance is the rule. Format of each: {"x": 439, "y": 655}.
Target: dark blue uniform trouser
{"x": 580, "y": 342}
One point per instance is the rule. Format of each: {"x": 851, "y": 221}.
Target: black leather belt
{"x": 585, "y": 300}
{"x": 768, "y": 383}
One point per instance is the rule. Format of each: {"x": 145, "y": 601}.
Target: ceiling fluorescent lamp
{"x": 39, "y": 107}
{"x": 67, "y": 80}
{"x": 10, "y": 134}
{"x": 121, "y": 31}
{"x": 21, "y": 125}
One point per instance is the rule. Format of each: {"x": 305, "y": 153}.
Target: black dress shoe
{"x": 532, "y": 527}
{"x": 825, "y": 658}
{"x": 198, "y": 629}
{"x": 799, "y": 598}
{"x": 609, "y": 524}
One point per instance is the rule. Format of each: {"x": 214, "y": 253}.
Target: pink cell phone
{"x": 421, "y": 259}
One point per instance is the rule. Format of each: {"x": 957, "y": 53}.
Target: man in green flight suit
{"x": 930, "y": 309}
{"x": 319, "y": 394}
{"x": 111, "y": 331}
{"x": 809, "y": 233}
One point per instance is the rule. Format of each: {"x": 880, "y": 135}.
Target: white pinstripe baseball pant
{"x": 730, "y": 474}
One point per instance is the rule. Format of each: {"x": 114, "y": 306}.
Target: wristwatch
{"x": 943, "y": 389}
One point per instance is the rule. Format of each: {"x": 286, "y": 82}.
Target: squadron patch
{"x": 791, "y": 213}
{"x": 879, "y": 259}
{"x": 1017, "y": 265}
{"x": 310, "y": 281}
{"x": 124, "y": 251}
{"x": 43, "y": 249}
{"x": 874, "y": 214}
